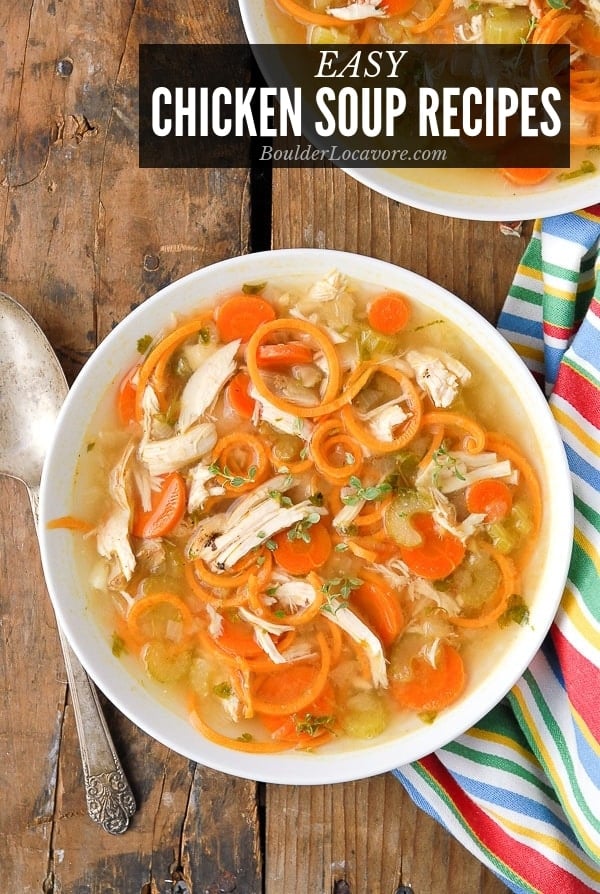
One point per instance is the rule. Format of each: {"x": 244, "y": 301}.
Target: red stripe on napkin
{"x": 577, "y": 672}
{"x": 580, "y": 392}
{"x": 540, "y": 873}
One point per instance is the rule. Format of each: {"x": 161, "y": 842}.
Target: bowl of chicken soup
{"x": 508, "y": 193}
{"x": 305, "y": 517}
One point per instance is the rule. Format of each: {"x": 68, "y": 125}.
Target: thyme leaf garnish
{"x": 301, "y": 530}
{"x": 234, "y": 480}
{"x": 370, "y": 493}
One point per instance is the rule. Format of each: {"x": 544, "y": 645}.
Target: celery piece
{"x": 503, "y": 538}
{"x": 586, "y": 167}
{"x": 200, "y": 677}
{"x": 372, "y": 344}
{"x": 516, "y": 612}
{"x": 165, "y": 664}
{"x": 320, "y": 35}
{"x": 506, "y": 24}
{"x": 475, "y": 581}
{"x": 287, "y": 447}
{"x": 365, "y": 716}
{"x": 521, "y": 519}
{"x": 397, "y": 519}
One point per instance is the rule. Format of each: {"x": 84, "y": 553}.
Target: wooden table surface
{"x": 85, "y": 236}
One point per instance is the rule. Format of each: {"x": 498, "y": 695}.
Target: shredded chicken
{"x": 256, "y": 519}
{"x": 343, "y": 617}
{"x": 360, "y": 9}
{"x": 112, "y": 535}
{"x": 444, "y": 515}
{"x": 471, "y": 31}
{"x": 438, "y": 374}
{"x": 295, "y": 594}
{"x": 152, "y": 425}
{"x": 346, "y": 515}
{"x": 593, "y": 10}
{"x": 334, "y": 284}
{"x": 205, "y": 384}
{"x": 262, "y": 634}
{"x": 397, "y": 573}
{"x": 383, "y": 421}
{"x": 452, "y": 471}
{"x": 168, "y": 454}
{"x": 198, "y": 489}
{"x": 145, "y": 483}
{"x": 278, "y": 419}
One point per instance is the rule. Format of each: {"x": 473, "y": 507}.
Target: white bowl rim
{"x": 571, "y": 195}
{"x": 175, "y": 732}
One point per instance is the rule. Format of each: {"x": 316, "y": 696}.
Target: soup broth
{"x": 407, "y": 22}
{"x": 307, "y": 509}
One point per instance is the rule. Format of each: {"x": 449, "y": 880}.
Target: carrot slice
{"x": 237, "y": 638}
{"x": 246, "y": 745}
{"x": 336, "y": 454}
{"x": 586, "y": 35}
{"x": 398, "y": 7}
{"x": 379, "y": 607}
{"x": 490, "y": 497}
{"x": 432, "y": 688}
{"x": 310, "y": 726}
{"x": 168, "y": 507}
{"x": 526, "y": 176}
{"x": 409, "y": 428}
{"x": 241, "y": 315}
{"x": 436, "y": 16}
{"x": 437, "y": 555}
{"x": 238, "y": 397}
{"x": 161, "y": 353}
{"x": 286, "y": 354}
{"x": 284, "y": 694}
{"x": 127, "y": 395}
{"x": 70, "y": 523}
{"x": 243, "y": 461}
{"x": 309, "y": 17}
{"x": 150, "y": 616}
{"x": 299, "y": 556}
{"x": 388, "y": 313}
{"x": 323, "y": 342}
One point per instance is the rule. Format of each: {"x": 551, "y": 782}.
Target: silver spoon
{"x": 32, "y": 390}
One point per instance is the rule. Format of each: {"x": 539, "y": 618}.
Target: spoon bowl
{"x": 32, "y": 390}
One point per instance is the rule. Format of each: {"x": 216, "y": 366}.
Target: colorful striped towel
{"x": 521, "y": 790}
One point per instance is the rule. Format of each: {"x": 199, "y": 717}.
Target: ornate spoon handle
{"x": 109, "y": 798}
{"x": 110, "y": 801}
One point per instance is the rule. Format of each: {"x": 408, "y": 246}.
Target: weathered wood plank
{"x": 32, "y": 690}
{"x": 368, "y": 837}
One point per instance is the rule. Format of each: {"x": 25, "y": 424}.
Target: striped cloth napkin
{"x": 521, "y": 789}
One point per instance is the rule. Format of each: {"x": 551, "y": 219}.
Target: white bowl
{"x": 469, "y": 194}
{"x": 404, "y": 741}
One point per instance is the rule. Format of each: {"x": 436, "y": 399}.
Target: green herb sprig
{"x": 234, "y": 480}
{"x": 370, "y": 493}
{"x": 301, "y": 530}
{"x": 338, "y": 589}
